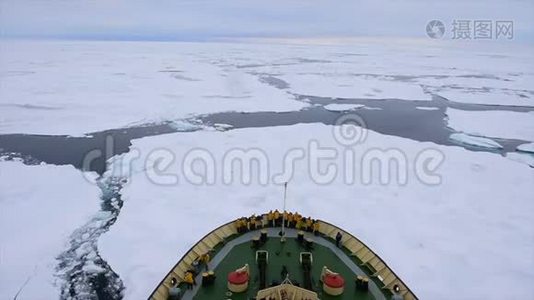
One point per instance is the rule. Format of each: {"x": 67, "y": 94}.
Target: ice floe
{"x": 40, "y": 206}
{"x": 477, "y": 141}
{"x": 347, "y": 86}
{"x": 181, "y": 125}
{"x": 525, "y": 158}
{"x": 497, "y": 124}
{"x": 526, "y": 147}
{"x": 342, "y": 107}
{"x": 426, "y": 108}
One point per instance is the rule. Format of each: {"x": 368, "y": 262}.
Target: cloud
{"x": 204, "y": 19}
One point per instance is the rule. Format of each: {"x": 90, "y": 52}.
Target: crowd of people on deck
{"x": 275, "y": 219}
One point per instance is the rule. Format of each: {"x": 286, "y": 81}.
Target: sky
{"x": 209, "y": 19}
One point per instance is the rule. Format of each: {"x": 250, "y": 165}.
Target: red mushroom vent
{"x": 334, "y": 281}
{"x": 237, "y": 278}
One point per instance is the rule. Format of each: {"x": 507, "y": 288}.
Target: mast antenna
{"x": 283, "y": 239}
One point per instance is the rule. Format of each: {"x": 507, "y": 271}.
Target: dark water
{"x": 66, "y": 150}
{"x": 390, "y": 116}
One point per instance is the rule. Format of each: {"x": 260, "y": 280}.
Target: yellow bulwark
{"x": 356, "y": 248}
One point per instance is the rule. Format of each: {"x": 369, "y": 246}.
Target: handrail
{"x": 353, "y": 244}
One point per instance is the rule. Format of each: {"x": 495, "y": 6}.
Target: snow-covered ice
{"x": 181, "y": 125}
{"x": 80, "y": 87}
{"x": 40, "y": 206}
{"x": 222, "y": 127}
{"x": 475, "y": 226}
{"x": 73, "y": 87}
{"x": 497, "y": 124}
{"x": 526, "y": 158}
{"x": 487, "y": 96}
{"x": 342, "y": 107}
{"x": 477, "y": 141}
{"x": 468, "y": 73}
{"x": 491, "y": 89}
{"x": 529, "y": 147}
{"x": 349, "y": 86}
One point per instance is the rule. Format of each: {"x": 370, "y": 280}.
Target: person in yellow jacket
{"x": 277, "y": 218}
{"x": 270, "y": 218}
{"x": 300, "y": 225}
{"x": 297, "y": 220}
{"x": 205, "y": 259}
{"x": 251, "y": 224}
{"x": 309, "y": 224}
{"x": 241, "y": 225}
{"x": 316, "y": 227}
{"x": 290, "y": 219}
{"x": 304, "y": 224}
{"x": 189, "y": 279}
{"x": 284, "y": 218}
{"x": 258, "y": 221}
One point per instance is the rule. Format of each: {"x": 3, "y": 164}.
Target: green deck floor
{"x": 280, "y": 254}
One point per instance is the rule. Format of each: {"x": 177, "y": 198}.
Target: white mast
{"x": 284, "y": 215}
